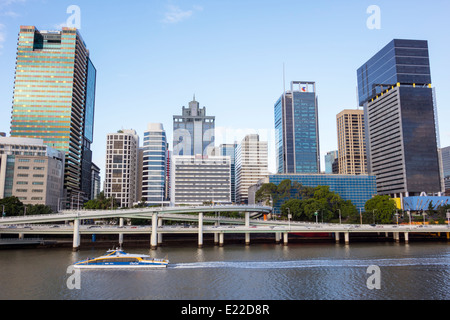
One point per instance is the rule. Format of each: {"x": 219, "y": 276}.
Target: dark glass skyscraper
{"x": 395, "y": 89}
{"x": 297, "y": 130}
{"x": 54, "y": 99}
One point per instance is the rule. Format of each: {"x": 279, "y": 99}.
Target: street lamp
{"x": 316, "y": 214}
{"x": 373, "y": 213}
{"x": 340, "y": 221}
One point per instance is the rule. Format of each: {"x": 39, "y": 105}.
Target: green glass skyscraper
{"x": 54, "y": 99}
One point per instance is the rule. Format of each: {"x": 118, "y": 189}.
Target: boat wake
{"x": 300, "y": 264}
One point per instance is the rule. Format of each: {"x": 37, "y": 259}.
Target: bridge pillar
{"x": 120, "y": 234}
{"x": 397, "y": 236}
{"x": 216, "y": 235}
{"x": 277, "y": 237}
{"x": 221, "y": 239}
{"x": 247, "y": 225}
{"x": 406, "y": 237}
{"x": 200, "y": 230}
{"x": 154, "y": 236}
{"x": 160, "y": 236}
{"x": 21, "y": 236}
{"x": 285, "y": 238}
{"x": 336, "y": 237}
{"x": 347, "y": 237}
{"x": 76, "y": 235}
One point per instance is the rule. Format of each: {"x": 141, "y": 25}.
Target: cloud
{"x": 175, "y": 14}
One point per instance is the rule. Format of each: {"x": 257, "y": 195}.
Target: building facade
{"x": 297, "y": 129}
{"x": 351, "y": 142}
{"x": 54, "y": 99}
{"x": 121, "y": 180}
{"x": 32, "y": 172}
{"x": 356, "y": 188}
{"x": 330, "y": 159}
{"x": 199, "y": 179}
{"x": 154, "y": 165}
{"x": 193, "y": 131}
{"x": 395, "y": 89}
{"x": 251, "y": 165}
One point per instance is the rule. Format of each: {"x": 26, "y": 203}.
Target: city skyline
{"x": 236, "y": 67}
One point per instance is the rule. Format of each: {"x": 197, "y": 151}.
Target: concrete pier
{"x": 154, "y": 236}
{"x": 336, "y": 237}
{"x": 221, "y": 235}
{"x": 406, "y": 237}
{"x": 200, "y": 230}
{"x": 347, "y": 237}
{"x": 285, "y": 238}
{"x": 120, "y": 234}
{"x": 160, "y": 236}
{"x": 76, "y": 235}
{"x": 247, "y": 224}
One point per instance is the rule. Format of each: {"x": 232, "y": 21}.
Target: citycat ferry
{"x": 119, "y": 259}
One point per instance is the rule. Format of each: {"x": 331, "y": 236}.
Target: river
{"x": 313, "y": 271}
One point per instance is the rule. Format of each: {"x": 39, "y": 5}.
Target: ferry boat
{"x": 119, "y": 259}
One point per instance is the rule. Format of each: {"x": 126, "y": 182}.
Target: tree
{"x": 382, "y": 208}
{"x": 13, "y": 206}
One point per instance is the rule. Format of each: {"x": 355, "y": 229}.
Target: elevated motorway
{"x": 167, "y": 213}
{"x": 202, "y": 223}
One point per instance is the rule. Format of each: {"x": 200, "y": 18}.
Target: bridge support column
{"x": 221, "y": 235}
{"x": 154, "y": 236}
{"x": 21, "y": 236}
{"x": 120, "y": 234}
{"x": 285, "y": 238}
{"x": 397, "y": 236}
{"x": 200, "y": 230}
{"x": 336, "y": 236}
{"x": 76, "y": 235}
{"x": 406, "y": 237}
{"x": 247, "y": 225}
{"x": 216, "y": 235}
{"x": 347, "y": 237}
{"x": 277, "y": 237}
{"x": 160, "y": 236}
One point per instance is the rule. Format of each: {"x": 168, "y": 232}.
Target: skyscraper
{"x": 121, "y": 173}
{"x": 351, "y": 142}
{"x": 54, "y": 99}
{"x": 193, "y": 131}
{"x": 395, "y": 89}
{"x": 297, "y": 129}
{"x": 154, "y": 164}
{"x": 251, "y": 165}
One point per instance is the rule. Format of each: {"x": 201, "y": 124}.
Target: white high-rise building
{"x": 199, "y": 179}
{"x": 251, "y": 165}
{"x": 121, "y": 180}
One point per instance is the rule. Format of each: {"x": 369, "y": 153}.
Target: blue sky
{"x": 153, "y": 56}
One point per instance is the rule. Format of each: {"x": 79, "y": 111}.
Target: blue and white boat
{"x": 119, "y": 259}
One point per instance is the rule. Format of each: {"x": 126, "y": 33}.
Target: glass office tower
{"x": 193, "y": 131}
{"x": 154, "y": 164}
{"x": 54, "y": 99}
{"x": 297, "y": 129}
{"x": 395, "y": 89}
